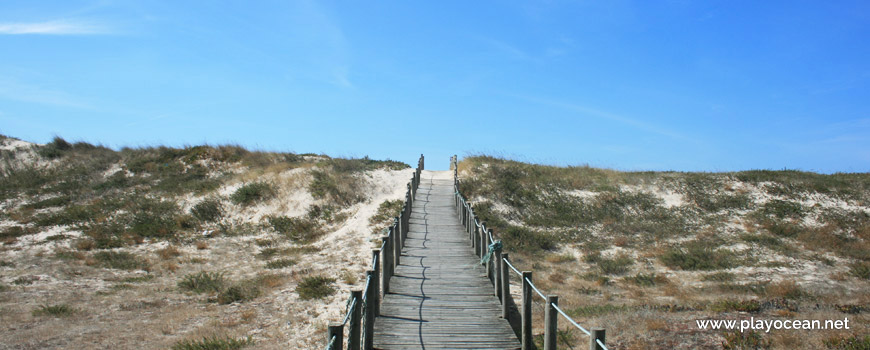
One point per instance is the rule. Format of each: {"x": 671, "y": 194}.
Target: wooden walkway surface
{"x": 439, "y": 296}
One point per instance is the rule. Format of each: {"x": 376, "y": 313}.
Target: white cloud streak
{"x": 631, "y": 122}
{"x": 60, "y": 27}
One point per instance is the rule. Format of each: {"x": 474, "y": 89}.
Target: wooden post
{"x": 386, "y": 265}
{"x": 477, "y": 241}
{"x": 396, "y": 244}
{"x": 597, "y": 333}
{"x": 484, "y": 243}
{"x": 353, "y": 341}
{"x": 376, "y": 282}
{"x": 505, "y": 286}
{"x": 335, "y": 330}
{"x": 496, "y": 273}
{"x": 371, "y": 310}
{"x": 551, "y": 319}
{"x": 527, "y": 311}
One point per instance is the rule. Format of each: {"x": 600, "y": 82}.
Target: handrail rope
{"x": 536, "y": 289}
{"x": 350, "y": 304}
{"x": 366, "y": 288}
{"x": 374, "y": 261}
{"x": 506, "y": 261}
{"x": 601, "y": 344}
{"x": 331, "y": 342}
{"x": 571, "y": 320}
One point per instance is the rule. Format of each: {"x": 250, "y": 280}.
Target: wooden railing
{"x": 498, "y": 268}
{"x": 364, "y": 305}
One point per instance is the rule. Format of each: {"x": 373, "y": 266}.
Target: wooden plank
{"x": 440, "y": 297}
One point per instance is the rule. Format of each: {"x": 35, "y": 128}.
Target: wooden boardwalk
{"x": 439, "y": 296}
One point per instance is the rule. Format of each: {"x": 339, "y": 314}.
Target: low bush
{"x": 340, "y": 189}
{"x": 856, "y": 342}
{"x": 203, "y": 282}
{"x": 280, "y": 263}
{"x": 252, "y": 193}
{"x": 213, "y": 343}
{"x": 119, "y": 260}
{"x": 698, "y": 257}
{"x": 860, "y": 270}
{"x": 298, "y": 229}
{"x": 315, "y": 287}
{"x": 745, "y": 340}
{"x": 615, "y": 266}
{"x": 244, "y": 291}
{"x": 207, "y": 210}
{"x": 59, "y": 310}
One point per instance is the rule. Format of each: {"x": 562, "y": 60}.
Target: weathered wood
{"x": 496, "y": 273}
{"x": 505, "y": 287}
{"x": 371, "y": 309}
{"x": 354, "y": 335}
{"x": 527, "y": 311}
{"x": 439, "y": 296}
{"x": 335, "y": 330}
{"x": 551, "y": 321}
{"x": 386, "y": 267}
{"x": 597, "y": 333}
{"x": 376, "y": 282}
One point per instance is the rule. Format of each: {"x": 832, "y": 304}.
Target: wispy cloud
{"x": 593, "y": 112}
{"x": 59, "y": 27}
{"x": 14, "y": 90}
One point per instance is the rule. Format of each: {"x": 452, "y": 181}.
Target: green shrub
{"x": 154, "y": 218}
{"x": 387, "y": 211}
{"x": 213, "y": 343}
{"x": 698, "y": 258}
{"x": 645, "y": 280}
{"x": 298, "y": 229}
{"x": 243, "y": 291}
{"x": 856, "y": 342}
{"x": 203, "y": 282}
{"x": 120, "y": 260}
{"x": 253, "y": 192}
{"x": 54, "y": 149}
{"x": 745, "y": 340}
{"x": 14, "y": 231}
{"x": 720, "y": 276}
{"x": 783, "y": 209}
{"x": 343, "y": 190}
{"x": 59, "y": 310}
{"x": 861, "y": 270}
{"x": 616, "y": 266}
{"x": 49, "y": 203}
{"x": 315, "y": 287}
{"x": 207, "y": 210}
{"x": 280, "y": 263}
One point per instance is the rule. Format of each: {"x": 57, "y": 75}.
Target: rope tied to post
{"x": 495, "y": 246}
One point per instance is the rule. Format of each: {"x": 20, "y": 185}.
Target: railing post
{"x": 550, "y": 322}
{"x": 477, "y": 241}
{"x": 597, "y": 333}
{"x": 474, "y": 235}
{"x": 353, "y": 341}
{"x": 376, "y": 282}
{"x": 396, "y": 244}
{"x": 371, "y": 310}
{"x": 387, "y": 264}
{"x": 527, "y": 311}
{"x": 483, "y": 243}
{"x": 505, "y": 287}
{"x": 496, "y": 273}
{"x": 336, "y": 330}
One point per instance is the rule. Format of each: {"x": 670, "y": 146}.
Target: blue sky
{"x": 631, "y": 85}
